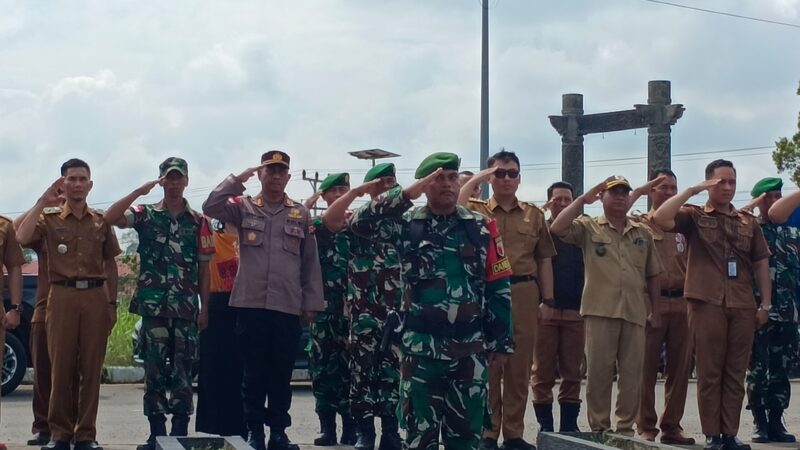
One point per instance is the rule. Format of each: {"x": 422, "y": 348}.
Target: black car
{"x": 16, "y": 357}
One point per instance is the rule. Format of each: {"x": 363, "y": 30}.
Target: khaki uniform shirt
{"x": 617, "y": 267}
{"x": 76, "y": 248}
{"x": 526, "y": 237}
{"x": 671, "y": 248}
{"x": 278, "y": 264}
{"x": 10, "y": 250}
{"x": 715, "y": 238}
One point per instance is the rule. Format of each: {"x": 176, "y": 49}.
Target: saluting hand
{"x": 645, "y": 188}
{"x": 147, "y": 187}
{"x": 593, "y": 194}
{"x": 364, "y": 189}
{"x": 757, "y": 202}
{"x": 311, "y": 201}
{"x": 247, "y": 174}
{"x": 52, "y": 194}
{"x": 485, "y": 174}
{"x": 704, "y": 185}
{"x": 414, "y": 191}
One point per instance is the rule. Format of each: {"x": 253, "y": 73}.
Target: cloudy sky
{"x": 124, "y": 84}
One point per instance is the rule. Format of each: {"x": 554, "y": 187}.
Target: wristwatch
{"x": 13, "y": 307}
{"x": 766, "y": 307}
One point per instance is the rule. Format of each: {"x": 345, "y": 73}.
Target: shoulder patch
{"x": 52, "y": 210}
{"x": 478, "y": 201}
{"x": 138, "y": 208}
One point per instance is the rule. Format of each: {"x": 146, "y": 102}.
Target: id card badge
{"x": 732, "y": 270}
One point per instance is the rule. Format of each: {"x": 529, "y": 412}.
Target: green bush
{"x": 119, "y": 351}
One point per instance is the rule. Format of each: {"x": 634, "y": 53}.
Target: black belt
{"x": 443, "y": 329}
{"x": 77, "y": 283}
{"x": 522, "y": 278}
{"x": 672, "y": 293}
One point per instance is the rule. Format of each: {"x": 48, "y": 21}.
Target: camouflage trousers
{"x": 775, "y": 348}
{"x": 375, "y": 375}
{"x": 328, "y": 365}
{"x": 440, "y": 395}
{"x": 169, "y": 349}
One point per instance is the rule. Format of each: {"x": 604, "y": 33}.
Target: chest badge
{"x": 251, "y": 236}
{"x": 601, "y": 250}
{"x": 294, "y": 213}
{"x": 62, "y": 248}
{"x": 680, "y": 243}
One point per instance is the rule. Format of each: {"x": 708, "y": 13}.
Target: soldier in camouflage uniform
{"x": 175, "y": 245}
{"x": 775, "y": 345}
{"x": 457, "y": 303}
{"x": 374, "y": 274}
{"x": 328, "y": 356}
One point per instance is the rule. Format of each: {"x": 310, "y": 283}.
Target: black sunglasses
{"x": 501, "y": 173}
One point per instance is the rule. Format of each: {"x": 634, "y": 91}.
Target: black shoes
{"x": 517, "y": 444}
{"x": 180, "y": 425}
{"x": 39, "y": 439}
{"x": 256, "y": 440}
{"x": 158, "y": 427}
{"x": 57, "y": 445}
{"x": 278, "y": 440}
{"x": 390, "y": 435}
{"x": 366, "y": 434}
{"x": 349, "y": 436}
{"x": 775, "y": 430}
{"x": 569, "y": 417}
{"x": 488, "y": 444}
{"x": 544, "y": 416}
{"x": 714, "y": 443}
{"x": 732, "y": 443}
{"x": 327, "y": 430}
{"x": 87, "y": 445}
{"x": 760, "y": 426}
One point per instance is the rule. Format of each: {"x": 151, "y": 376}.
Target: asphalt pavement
{"x": 121, "y": 424}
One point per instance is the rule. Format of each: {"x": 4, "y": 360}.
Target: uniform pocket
{"x": 745, "y": 237}
{"x": 292, "y": 238}
{"x": 253, "y": 230}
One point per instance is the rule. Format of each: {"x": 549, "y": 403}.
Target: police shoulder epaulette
{"x": 478, "y": 201}
{"x": 746, "y": 213}
{"x": 691, "y": 205}
{"x": 52, "y": 210}
{"x": 534, "y": 205}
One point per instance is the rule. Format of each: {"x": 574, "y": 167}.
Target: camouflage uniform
{"x": 170, "y": 251}
{"x": 375, "y": 289}
{"x": 775, "y": 345}
{"x": 328, "y": 356}
{"x": 455, "y": 314}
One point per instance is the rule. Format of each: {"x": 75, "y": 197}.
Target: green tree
{"x": 787, "y": 153}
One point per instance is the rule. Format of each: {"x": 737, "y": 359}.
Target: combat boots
{"x": 366, "y": 434}
{"x": 775, "y": 429}
{"x": 327, "y": 430}
{"x": 349, "y": 436}
{"x": 544, "y": 415}
{"x": 390, "y": 437}
{"x": 180, "y": 425}
{"x": 569, "y": 417}
{"x": 158, "y": 427}
{"x": 760, "y": 426}
{"x": 278, "y": 440}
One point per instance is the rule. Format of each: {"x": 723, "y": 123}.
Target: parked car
{"x": 16, "y": 356}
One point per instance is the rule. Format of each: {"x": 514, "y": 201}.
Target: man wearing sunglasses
{"x": 529, "y": 248}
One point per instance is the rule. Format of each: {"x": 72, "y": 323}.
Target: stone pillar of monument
{"x": 572, "y": 142}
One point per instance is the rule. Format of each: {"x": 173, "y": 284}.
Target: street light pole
{"x": 485, "y": 94}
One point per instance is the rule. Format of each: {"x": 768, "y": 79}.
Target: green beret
{"x": 379, "y": 171}
{"x": 431, "y": 163}
{"x": 335, "y": 179}
{"x": 766, "y": 185}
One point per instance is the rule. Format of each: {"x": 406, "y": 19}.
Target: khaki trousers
{"x": 674, "y": 331}
{"x": 723, "y": 338}
{"x": 613, "y": 343}
{"x": 77, "y": 332}
{"x": 509, "y": 382}
{"x": 40, "y": 360}
{"x": 558, "y": 351}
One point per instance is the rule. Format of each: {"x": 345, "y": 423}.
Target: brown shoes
{"x": 676, "y": 439}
